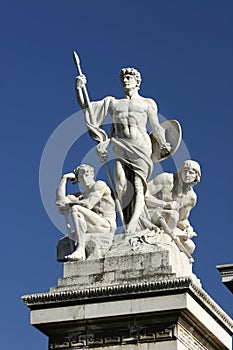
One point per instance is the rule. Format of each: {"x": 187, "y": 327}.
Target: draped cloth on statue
{"x": 134, "y": 155}
{"x": 135, "y": 158}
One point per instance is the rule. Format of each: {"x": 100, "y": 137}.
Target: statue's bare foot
{"x": 77, "y": 255}
{"x": 135, "y": 243}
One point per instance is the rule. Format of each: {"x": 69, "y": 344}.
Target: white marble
{"x": 198, "y": 316}
{"x": 92, "y": 213}
{"x": 170, "y": 200}
{"x": 132, "y": 143}
{"x": 153, "y": 212}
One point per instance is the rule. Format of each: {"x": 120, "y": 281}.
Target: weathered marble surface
{"x": 142, "y": 315}
{"x": 121, "y": 266}
{"x": 134, "y": 301}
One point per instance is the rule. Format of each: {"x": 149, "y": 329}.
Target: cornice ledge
{"x": 42, "y": 299}
{"x": 104, "y": 293}
{"x": 209, "y": 303}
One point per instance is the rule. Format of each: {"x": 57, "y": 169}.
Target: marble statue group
{"x": 149, "y": 208}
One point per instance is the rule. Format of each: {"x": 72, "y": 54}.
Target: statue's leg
{"x": 124, "y": 180}
{"x": 80, "y": 226}
{"x": 188, "y": 244}
{"x": 120, "y": 179}
{"x": 99, "y": 236}
{"x": 139, "y": 204}
{"x": 86, "y": 221}
{"x": 171, "y": 217}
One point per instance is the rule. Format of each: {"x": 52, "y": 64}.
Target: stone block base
{"x": 133, "y": 302}
{"x": 168, "y": 314}
{"x": 135, "y": 267}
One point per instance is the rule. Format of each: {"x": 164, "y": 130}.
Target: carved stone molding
{"x": 115, "y": 292}
{"x": 227, "y": 275}
{"x": 137, "y": 336}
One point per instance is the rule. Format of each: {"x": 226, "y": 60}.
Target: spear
{"x": 85, "y": 93}
{"x": 100, "y": 136}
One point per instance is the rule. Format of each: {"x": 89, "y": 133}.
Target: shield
{"x": 173, "y": 135}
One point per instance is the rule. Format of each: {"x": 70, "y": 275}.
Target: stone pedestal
{"x": 138, "y": 301}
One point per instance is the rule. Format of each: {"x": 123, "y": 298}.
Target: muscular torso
{"x": 99, "y": 199}
{"x": 162, "y": 188}
{"x": 129, "y": 117}
{"x": 185, "y": 199}
{"x": 186, "y": 202}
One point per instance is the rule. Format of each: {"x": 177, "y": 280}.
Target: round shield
{"x": 173, "y": 135}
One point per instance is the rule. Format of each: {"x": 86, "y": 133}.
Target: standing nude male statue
{"x": 131, "y": 141}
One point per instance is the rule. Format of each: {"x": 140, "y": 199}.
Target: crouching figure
{"x": 93, "y": 216}
{"x": 170, "y": 201}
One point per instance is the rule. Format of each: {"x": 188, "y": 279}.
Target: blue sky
{"x": 184, "y": 51}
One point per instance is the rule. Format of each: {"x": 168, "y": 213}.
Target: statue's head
{"x": 127, "y": 73}
{"x": 83, "y": 171}
{"x": 190, "y": 172}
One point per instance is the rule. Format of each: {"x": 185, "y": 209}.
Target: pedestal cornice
{"x": 128, "y": 291}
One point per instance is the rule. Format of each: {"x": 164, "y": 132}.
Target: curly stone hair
{"x": 82, "y": 166}
{"x": 132, "y": 71}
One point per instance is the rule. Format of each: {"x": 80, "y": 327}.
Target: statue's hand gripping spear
{"x": 98, "y": 135}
